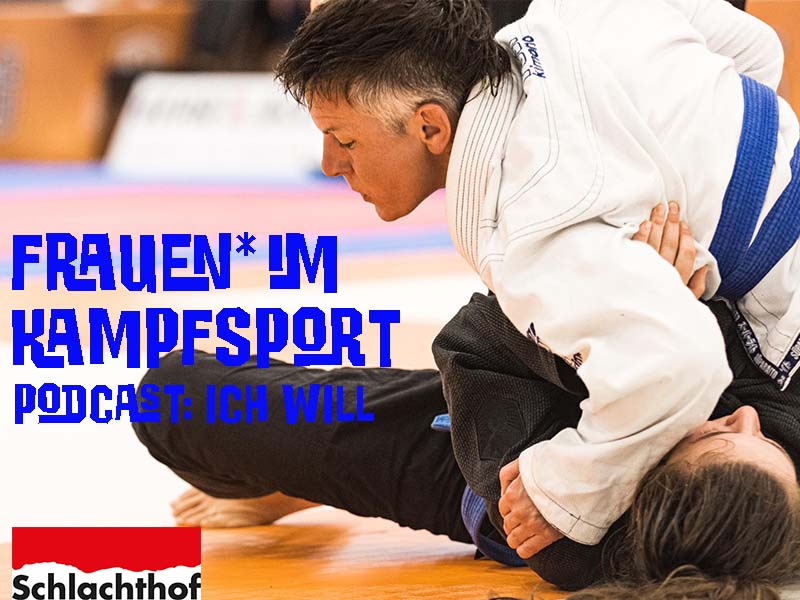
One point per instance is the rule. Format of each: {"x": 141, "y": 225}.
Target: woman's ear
{"x": 433, "y": 127}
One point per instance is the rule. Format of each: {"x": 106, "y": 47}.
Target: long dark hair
{"x": 722, "y": 531}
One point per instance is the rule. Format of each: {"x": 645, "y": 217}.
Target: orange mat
{"x": 327, "y": 553}
{"x": 784, "y": 17}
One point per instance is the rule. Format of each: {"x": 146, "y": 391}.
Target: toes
{"x": 190, "y": 494}
{"x": 186, "y": 502}
{"x": 192, "y": 516}
{"x": 228, "y": 517}
{"x": 194, "y": 508}
{"x": 210, "y": 521}
{"x": 216, "y": 520}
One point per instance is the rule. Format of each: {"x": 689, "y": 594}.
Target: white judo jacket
{"x": 615, "y": 106}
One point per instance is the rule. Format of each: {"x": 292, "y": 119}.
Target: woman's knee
{"x": 163, "y": 397}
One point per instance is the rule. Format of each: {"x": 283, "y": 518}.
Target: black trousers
{"x": 395, "y": 467}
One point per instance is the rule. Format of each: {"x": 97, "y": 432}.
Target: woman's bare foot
{"x": 194, "y": 508}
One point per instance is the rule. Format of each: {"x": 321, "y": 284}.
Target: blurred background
{"x": 67, "y": 68}
{"x": 161, "y": 116}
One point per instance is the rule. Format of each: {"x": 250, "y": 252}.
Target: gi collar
{"x": 478, "y": 149}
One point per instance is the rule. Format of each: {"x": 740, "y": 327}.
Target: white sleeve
{"x": 753, "y": 45}
{"x": 653, "y": 362}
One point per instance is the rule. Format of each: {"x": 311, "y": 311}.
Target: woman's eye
{"x": 348, "y": 146}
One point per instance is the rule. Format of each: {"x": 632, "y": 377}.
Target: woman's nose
{"x": 334, "y": 160}
{"x": 744, "y": 420}
{"x": 333, "y": 167}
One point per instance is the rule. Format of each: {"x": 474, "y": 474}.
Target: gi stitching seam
{"x": 497, "y": 117}
{"x": 599, "y": 176}
{"x": 549, "y": 163}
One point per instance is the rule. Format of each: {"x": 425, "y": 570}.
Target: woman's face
{"x": 737, "y": 437}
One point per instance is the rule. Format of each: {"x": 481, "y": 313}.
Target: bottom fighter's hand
{"x": 526, "y": 530}
{"x": 673, "y": 240}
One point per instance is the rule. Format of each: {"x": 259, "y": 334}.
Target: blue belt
{"x": 742, "y": 264}
{"x": 473, "y": 512}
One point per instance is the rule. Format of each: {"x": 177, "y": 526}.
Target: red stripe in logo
{"x": 92, "y": 549}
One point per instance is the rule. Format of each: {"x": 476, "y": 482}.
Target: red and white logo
{"x": 105, "y": 563}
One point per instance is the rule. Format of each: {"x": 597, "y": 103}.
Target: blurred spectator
{"x": 244, "y": 35}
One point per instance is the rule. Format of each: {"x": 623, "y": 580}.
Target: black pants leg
{"x": 395, "y": 467}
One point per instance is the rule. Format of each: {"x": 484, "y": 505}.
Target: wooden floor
{"x": 5, "y": 571}
{"x": 327, "y": 554}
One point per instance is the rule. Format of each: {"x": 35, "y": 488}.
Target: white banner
{"x": 214, "y": 126}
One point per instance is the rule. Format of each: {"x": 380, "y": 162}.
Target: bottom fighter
{"x": 719, "y": 516}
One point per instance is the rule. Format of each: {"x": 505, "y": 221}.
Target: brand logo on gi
{"x": 575, "y": 361}
{"x": 528, "y": 55}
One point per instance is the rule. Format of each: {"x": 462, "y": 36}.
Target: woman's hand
{"x": 526, "y": 530}
{"x": 673, "y": 240}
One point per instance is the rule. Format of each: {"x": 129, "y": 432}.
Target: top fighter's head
{"x": 385, "y": 81}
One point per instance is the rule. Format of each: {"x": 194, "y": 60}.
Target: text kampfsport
{"x": 54, "y": 338}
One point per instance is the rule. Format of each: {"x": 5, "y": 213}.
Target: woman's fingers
{"x": 671, "y": 234}
{"x": 670, "y": 238}
{"x": 508, "y": 474}
{"x": 511, "y": 522}
{"x": 530, "y": 541}
{"x": 662, "y": 232}
{"x": 687, "y": 251}
{"x": 657, "y": 220}
{"x": 673, "y": 240}
{"x": 697, "y": 284}
{"x": 644, "y": 232}
{"x": 518, "y": 536}
{"x": 531, "y": 525}
{"x": 536, "y": 544}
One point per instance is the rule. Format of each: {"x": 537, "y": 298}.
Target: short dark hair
{"x": 388, "y": 56}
